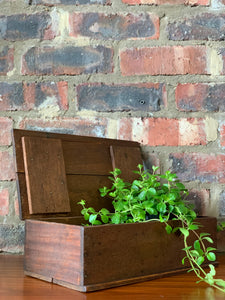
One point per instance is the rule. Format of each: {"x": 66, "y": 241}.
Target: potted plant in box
{"x": 158, "y": 197}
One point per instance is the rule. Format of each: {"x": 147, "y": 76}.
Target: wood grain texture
{"x": 15, "y": 286}
{"x": 45, "y": 175}
{"x": 54, "y": 250}
{"x": 86, "y": 158}
{"x": 126, "y": 159}
{"x": 18, "y": 134}
{"x": 98, "y": 257}
{"x": 83, "y": 156}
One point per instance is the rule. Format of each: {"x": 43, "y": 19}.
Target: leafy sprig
{"x": 158, "y": 197}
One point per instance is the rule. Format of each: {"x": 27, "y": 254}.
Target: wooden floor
{"x": 14, "y": 285}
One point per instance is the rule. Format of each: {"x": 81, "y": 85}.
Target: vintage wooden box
{"x": 54, "y": 172}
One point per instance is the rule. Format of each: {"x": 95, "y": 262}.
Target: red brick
{"x": 67, "y": 60}
{"x": 200, "y": 97}
{"x": 222, "y": 53}
{"x": 200, "y": 200}
{"x": 70, "y": 2}
{"x": 122, "y": 97}
{"x": 4, "y": 202}
{"x": 117, "y": 26}
{"x": 24, "y": 26}
{"x": 79, "y": 126}
{"x": 222, "y": 135}
{"x": 206, "y": 26}
{"x": 199, "y": 166}
{"x": 27, "y": 96}
{"x": 6, "y": 126}
{"x": 172, "y": 2}
{"x": 6, "y": 60}
{"x": 16, "y": 207}
{"x": 7, "y": 171}
{"x": 163, "y": 131}
{"x": 168, "y": 60}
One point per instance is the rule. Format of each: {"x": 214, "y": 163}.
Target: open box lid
{"x": 55, "y": 171}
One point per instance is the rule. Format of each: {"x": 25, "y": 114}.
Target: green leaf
{"x": 208, "y": 239}
{"x": 183, "y": 260}
{"x": 105, "y": 219}
{"x": 187, "y": 248}
{"x": 86, "y": 216}
{"x": 195, "y": 253}
{"x": 220, "y": 282}
{"x": 184, "y": 231}
{"x": 142, "y": 195}
{"x": 180, "y": 185}
{"x": 104, "y": 211}
{"x": 161, "y": 207}
{"x": 91, "y": 210}
{"x": 151, "y": 192}
{"x": 211, "y": 256}
{"x": 197, "y": 245}
{"x": 116, "y": 218}
{"x": 82, "y": 202}
{"x": 193, "y": 227}
{"x": 92, "y": 218}
{"x": 200, "y": 260}
{"x": 97, "y": 222}
{"x": 203, "y": 234}
{"x": 169, "y": 229}
{"x": 212, "y": 270}
{"x": 210, "y": 249}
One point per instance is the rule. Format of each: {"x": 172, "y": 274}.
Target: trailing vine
{"x": 157, "y": 197}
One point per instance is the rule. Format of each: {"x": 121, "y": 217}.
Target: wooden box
{"x": 54, "y": 172}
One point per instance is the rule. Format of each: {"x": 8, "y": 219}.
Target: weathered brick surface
{"x": 68, "y": 2}
{"x": 6, "y": 166}
{"x": 6, "y": 126}
{"x": 67, "y": 60}
{"x": 23, "y": 27}
{"x": 163, "y": 131}
{"x": 199, "y": 166}
{"x": 12, "y": 238}
{"x": 27, "y": 96}
{"x": 200, "y": 199}
{"x": 101, "y": 97}
{"x": 79, "y": 126}
{"x": 222, "y": 204}
{"x": 172, "y": 2}
{"x": 222, "y": 54}
{"x": 117, "y": 26}
{"x": 4, "y": 202}
{"x": 222, "y": 135}
{"x": 200, "y": 97}
{"x": 171, "y": 60}
{"x": 206, "y": 26}
{"x": 6, "y": 59}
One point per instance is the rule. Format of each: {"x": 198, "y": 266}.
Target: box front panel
{"x": 120, "y": 252}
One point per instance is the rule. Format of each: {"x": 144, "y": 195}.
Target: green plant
{"x": 157, "y": 197}
{"x": 221, "y": 226}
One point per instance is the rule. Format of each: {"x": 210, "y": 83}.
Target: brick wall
{"x": 152, "y": 71}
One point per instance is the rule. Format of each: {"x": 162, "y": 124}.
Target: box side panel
{"x": 54, "y": 251}
{"x": 120, "y": 252}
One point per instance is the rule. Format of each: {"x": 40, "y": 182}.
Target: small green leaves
{"x": 211, "y": 256}
{"x": 161, "y": 207}
{"x": 158, "y": 197}
{"x": 184, "y": 231}
{"x": 169, "y": 229}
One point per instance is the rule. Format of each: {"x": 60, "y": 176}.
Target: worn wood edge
{"x": 113, "y": 284}
{"x": 38, "y": 276}
{"x": 18, "y": 133}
